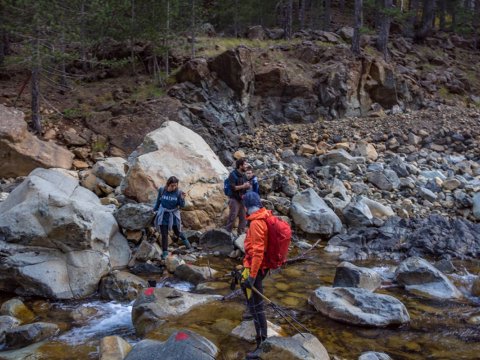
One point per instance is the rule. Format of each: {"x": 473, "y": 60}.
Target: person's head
{"x": 251, "y": 200}
{"x": 172, "y": 183}
{"x": 249, "y": 172}
{"x": 241, "y": 165}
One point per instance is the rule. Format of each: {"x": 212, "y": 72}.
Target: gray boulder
{"x": 217, "y": 240}
{"x": 357, "y": 214}
{"x": 194, "y": 274}
{"x": 114, "y": 348}
{"x": 246, "y": 330}
{"x": 121, "y": 286}
{"x": 153, "y": 306}
{"x": 181, "y": 345}
{"x": 349, "y": 275}
{"x": 298, "y": 347}
{"x": 24, "y": 335}
{"x": 16, "y": 308}
{"x": 373, "y": 355}
{"x": 338, "y": 198}
{"x": 476, "y": 206}
{"x": 56, "y": 239}
{"x": 338, "y": 157}
{"x": 359, "y": 306}
{"x": 111, "y": 170}
{"x": 134, "y": 216}
{"x": 312, "y": 215}
{"x": 422, "y": 278}
{"x": 7, "y": 323}
{"x": 384, "y": 180}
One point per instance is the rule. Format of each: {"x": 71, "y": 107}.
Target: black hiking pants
{"x": 164, "y": 233}
{"x": 256, "y": 307}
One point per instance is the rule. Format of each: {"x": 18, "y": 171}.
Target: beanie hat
{"x": 251, "y": 199}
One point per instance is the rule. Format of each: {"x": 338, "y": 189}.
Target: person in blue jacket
{"x": 169, "y": 201}
{"x": 253, "y": 180}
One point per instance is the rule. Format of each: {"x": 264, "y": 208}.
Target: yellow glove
{"x": 245, "y": 275}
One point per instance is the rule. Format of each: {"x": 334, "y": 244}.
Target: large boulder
{"x": 24, "y": 335}
{"x": 153, "y": 306}
{"x": 7, "y": 323}
{"x": 17, "y": 309}
{"x": 302, "y": 346}
{"x": 114, "y": 348}
{"x": 174, "y": 150}
{"x": 134, "y": 216}
{"x": 312, "y": 215}
{"x": 181, "y": 345}
{"x": 422, "y": 278}
{"x": 21, "y": 152}
{"x": 217, "y": 240}
{"x": 359, "y": 306}
{"x": 111, "y": 170}
{"x": 246, "y": 330}
{"x": 121, "y": 286}
{"x": 349, "y": 275}
{"x": 56, "y": 239}
{"x": 194, "y": 274}
{"x": 357, "y": 214}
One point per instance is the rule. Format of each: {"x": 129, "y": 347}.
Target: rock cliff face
{"x": 21, "y": 152}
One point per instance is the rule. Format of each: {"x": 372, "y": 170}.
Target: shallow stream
{"x": 438, "y": 329}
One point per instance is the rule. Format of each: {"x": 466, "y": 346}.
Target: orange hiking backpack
{"x": 279, "y": 236}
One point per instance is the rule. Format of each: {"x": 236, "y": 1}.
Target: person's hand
{"x": 247, "y": 185}
{"x": 249, "y": 282}
{"x": 183, "y": 195}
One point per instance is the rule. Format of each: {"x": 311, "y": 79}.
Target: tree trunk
{"x": 235, "y": 19}
{"x": 288, "y": 33}
{"x": 342, "y": 5}
{"x": 476, "y": 24}
{"x": 384, "y": 29}
{"x": 132, "y": 35}
{"x": 327, "y": 15}
{"x": 356, "y": 28}
{"x": 441, "y": 13}
{"x": 302, "y": 14}
{"x": 167, "y": 43}
{"x": 427, "y": 20}
{"x": 412, "y": 19}
{"x": 83, "y": 46}
{"x": 35, "y": 89}
{"x": 193, "y": 28}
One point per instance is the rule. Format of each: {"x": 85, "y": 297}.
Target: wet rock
{"x": 476, "y": 206}
{"x": 153, "y": 306}
{"x": 172, "y": 262}
{"x": 148, "y": 251}
{"x": 181, "y": 345}
{"x": 420, "y": 277}
{"x": 146, "y": 268}
{"x": 114, "y": 348}
{"x": 359, "y": 306}
{"x": 82, "y": 314}
{"x": 217, "y": 240}
{"x": 312, "y": 215}
{"x": 194, "y": 274}
{"x": 24, "y": 335}
{"x": 298, "y": 347}
{"x": 111, "y": 170}
{"x": 246, "y": 330}
{"x": 373, "y": 355}
{"x": 7, "y": 323}
{"x": 56, "y": 238}
{"x": 349, "y": 275}
{"x": 476, "y": 287}
{"x": 17, "y": 309}
{"x": 23, "y": 152}
{"x": 134, "y": 216}
{"x": 121, "y": 286}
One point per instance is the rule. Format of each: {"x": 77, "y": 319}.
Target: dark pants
{"x": 236, "y": 210}
{"x": 164, "y": 232}
{"x": 256, "y": 307}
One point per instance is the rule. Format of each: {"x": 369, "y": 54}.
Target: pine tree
{"x": 357, "y": 26}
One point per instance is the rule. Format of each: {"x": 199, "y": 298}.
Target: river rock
{"x": 174, "y": 150}
{"x": 21, "y": 152}
{"x": 172, "y": 262}
{"x": 422, "y": 278}
{"x": 378, "y": 210}
{"x": 56, "y": 237}
{"x": 6, "y": 323}
{"x": 338, "y": 197}
{"x": 476, "y": 287}
{"x": 246, "y": 330}
{"x": 194, "y": 274}
{"x": 239, "y": 242}
{"x": 148, "y": 251}
{"x": 17, "y": 309}
{"x": 217, "y": 240}
{"x": 357, "y": 214}
{"x": 359, "y": 306}
{"x": 298, "y": 347}
{"x": 349, "y": 275}
{"x": 373, "y": 355}
{"x": 366, "y": 150}
{"x": 181, "y": 345}
{"x": 24, "y": 335}
{"x": 114, "y": 348}
{"x": 312, "y": 215}
{"x": 121, "y": 286}
{"x": 134, "y": 216}
{"x": 153, "y": 306}
{"x": 337, "y": 157}
{"x": 111, "y": 170}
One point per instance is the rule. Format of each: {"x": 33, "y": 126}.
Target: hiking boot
{"x": 255, "y": 354}
{"x": 164, "y": 255}
{"x": 186, "y": 243}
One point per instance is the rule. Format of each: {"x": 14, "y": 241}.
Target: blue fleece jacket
{"x": 254, "y": 182}
{"x": 169, "y": 200}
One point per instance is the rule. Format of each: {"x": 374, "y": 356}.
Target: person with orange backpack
{"x": 266, "y": 247}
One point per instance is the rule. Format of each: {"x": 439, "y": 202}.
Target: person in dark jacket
{"x": 169, "y": 201}
{"x": 253, "y": 180}
{"x": 239, "y": 185}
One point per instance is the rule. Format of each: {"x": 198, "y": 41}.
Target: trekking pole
{"x": 282, "y": 313}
